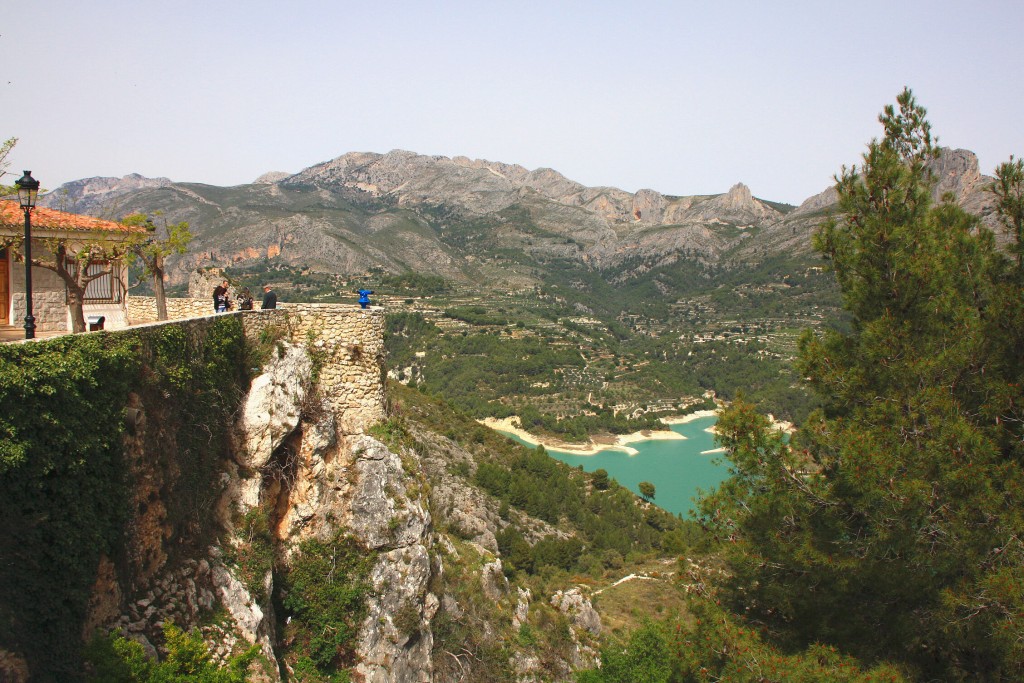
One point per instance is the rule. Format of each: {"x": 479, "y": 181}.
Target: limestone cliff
{"x": 315, "y": 455}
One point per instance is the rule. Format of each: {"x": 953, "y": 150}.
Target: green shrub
{"x": 325, "y": 593}
{"x": 115, "y": 659}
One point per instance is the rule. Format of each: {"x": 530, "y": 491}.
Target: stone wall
{"x": 49, "y": 308}
{"x": 142, "y": 309}
{"x": 347, "y": 340}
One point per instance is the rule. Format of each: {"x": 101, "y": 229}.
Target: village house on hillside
{"x": 104, "y": 296}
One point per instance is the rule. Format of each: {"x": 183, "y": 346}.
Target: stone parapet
{"x": 346, "y": 342}
{"x": 142, "y": 309}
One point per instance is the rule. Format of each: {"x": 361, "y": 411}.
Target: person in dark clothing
{"x": 245, "y": 299}
{"x": 269, "y": 298}
{"x": 220, "y": 297}
{"x": 364, "y": 297}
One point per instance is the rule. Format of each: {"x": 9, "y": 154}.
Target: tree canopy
{"x": 159, "y": 242}
{"x": 891, "y": 527}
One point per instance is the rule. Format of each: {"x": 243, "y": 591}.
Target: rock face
{"x": 92, "y": 196}
{"x": 403, "y": 211}
{"x": 304, "y": 465}
{"x": 270, "y": 414}
{"x": 250, "y": 617}
{"x": 574, "y": 605}
{"x": 338, "y": 482}
{"x": 271, "y": 177}
{"x": 274, "y": 404}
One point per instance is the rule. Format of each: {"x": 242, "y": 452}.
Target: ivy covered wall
{"x": 66, "y": 486}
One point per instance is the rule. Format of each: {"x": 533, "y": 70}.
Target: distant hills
{"x": 488, "y": 223}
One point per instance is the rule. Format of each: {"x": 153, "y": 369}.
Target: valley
{"x": 855, "y": 551}
{"x": 583, "y": 310}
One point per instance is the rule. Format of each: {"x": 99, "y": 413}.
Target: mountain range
{"x": 473, "y": 221}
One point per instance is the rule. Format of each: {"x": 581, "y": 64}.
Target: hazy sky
{"x": 681, "y": 97}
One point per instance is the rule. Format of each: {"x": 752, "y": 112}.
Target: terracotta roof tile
{"x": 11, "y": 215}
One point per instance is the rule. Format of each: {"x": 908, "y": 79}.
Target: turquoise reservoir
{"x": 677, "y": 468}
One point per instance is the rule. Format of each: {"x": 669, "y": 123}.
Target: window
{"x": 106, "y": 289}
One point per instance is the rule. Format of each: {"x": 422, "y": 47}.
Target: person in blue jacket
{"x": 364, "y": 297}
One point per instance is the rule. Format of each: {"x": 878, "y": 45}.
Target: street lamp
{"x": 28, "y": 190}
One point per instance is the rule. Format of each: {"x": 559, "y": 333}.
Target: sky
{"x": 680, "y": 97}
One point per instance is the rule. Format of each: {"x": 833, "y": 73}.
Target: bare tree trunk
{"x": 158, "y": 287}
{"x": 77, "y": 313}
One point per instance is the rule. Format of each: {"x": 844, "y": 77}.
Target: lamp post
{"x": 28, "y": 190}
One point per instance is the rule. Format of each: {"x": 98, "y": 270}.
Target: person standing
{"x": 244, "y": 299}
{"x": 220, "y": 297}
{"x": 269, "y": 298}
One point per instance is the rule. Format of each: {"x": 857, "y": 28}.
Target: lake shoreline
{"x": 598, "y": 444}
{"x": 610, "y": 442}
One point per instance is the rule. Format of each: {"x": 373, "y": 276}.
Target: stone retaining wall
{"x": 142, "y": 309}
{"x": 347, "y": 340}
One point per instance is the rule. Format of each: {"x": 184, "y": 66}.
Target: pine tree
{"x": 893, "y": 525}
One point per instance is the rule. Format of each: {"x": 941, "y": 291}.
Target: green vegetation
{"x": 62, "y": 486}
{"x": 414, "y": 284}
{"x": 574, "y": 375}
{"x": 891, "y": 528}
{"x": 606, "y": 521}
{"x": 324, "y": 597}
{"x": 115, "y": 659}
{"x": 64, "y": 481}
{"x": 711, "y": 646}
{"x": 469, "y": 643}
{"x": 883, "y": 542}
{"x": 253, "y": 556}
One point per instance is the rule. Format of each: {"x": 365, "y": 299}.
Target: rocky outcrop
{"x": 254, "y": 621}
{"x": 96, "y": 196}
{"x": 333, "y": 482}
{"x": 381, "y": 514}
{"x": 271, "y": 412}
{"x": 273, "y": 405}
{"x": 271, "y": 177}
{"x": 464, "y": 509}
{"x": 817, "y": 204}
{"x": 586, "y": 626}
{"x": 578, "y": 608}
{"x": 395, "y": 640}
{"x": 956, "y": 171}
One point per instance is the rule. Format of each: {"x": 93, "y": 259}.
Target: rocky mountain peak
{"x": 739, "y": 196}
{"x": 396, "y": 226}
{"x": 956, "y": 171}
{"x": 271, "y": 177}
{"x": 737, "y": 206}
{"x": 90, "y": 195}
{"x": 824, "y": 199}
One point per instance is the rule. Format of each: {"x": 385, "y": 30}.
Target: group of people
{"x": 222, "y": 301}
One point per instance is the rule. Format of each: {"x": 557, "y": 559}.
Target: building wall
{"x": 49, "y": 298}
{"x": 49, "y": 302}
{"x": 349, "y": 340}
